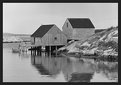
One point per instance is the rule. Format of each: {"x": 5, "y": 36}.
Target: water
{"x": 27, "y": 68}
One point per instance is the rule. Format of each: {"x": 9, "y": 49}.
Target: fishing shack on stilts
{"x": 47, "y": 38}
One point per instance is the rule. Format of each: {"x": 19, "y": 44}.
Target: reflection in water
{"x": 46, "y": 65}
{"x": 49, "y": 68}
{"x": 108, "y": 69}
{"x": 74, "y": 71}
{"x": 24, "y": 55}
{"x": 81, "y": 77}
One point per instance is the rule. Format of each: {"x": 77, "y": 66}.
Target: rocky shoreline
{"x": 95, "y": 57}
{"x": 101, "y": 46}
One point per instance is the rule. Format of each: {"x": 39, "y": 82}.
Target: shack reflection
{"x": 73, "y": 71}
{"x": 78, "y": 71}
{"x": 46, "y": 65}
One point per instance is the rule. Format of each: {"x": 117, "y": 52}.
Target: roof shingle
{"x": 81, "y": 23}
{"x": 42, "y": 30}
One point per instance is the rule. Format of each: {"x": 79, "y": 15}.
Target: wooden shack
{"x": 48, "y": 36}
{"x": 78, "y": 28}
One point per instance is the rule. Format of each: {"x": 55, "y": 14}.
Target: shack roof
{"x": 81, "y": 23}
{"x": 42, "y": 30}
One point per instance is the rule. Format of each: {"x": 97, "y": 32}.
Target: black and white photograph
{"x": 60, "y": 42}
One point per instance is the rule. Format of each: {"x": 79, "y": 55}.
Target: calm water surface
{"x": 26, "y": 68}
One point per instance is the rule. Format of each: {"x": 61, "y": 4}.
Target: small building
{"x": 48, "y": 35}
{"x": 47, "y": 38}
{"x": 78, "y": 28}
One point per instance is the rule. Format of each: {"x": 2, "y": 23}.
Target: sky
{"x": 25, "y": 18}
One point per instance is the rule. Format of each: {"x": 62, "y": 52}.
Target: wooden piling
{"x": 40, "y": 50}
{"x": 56, "y": 50}
{"x": 31, "y": 50}
{"x": 34, "y": 51}
{"x": 37, "y": 50}
{"x": 50, "y": 48}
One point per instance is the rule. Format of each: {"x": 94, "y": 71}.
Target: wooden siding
{"x": 57, "y": 33}
{"x": 32, "y": 40}
{"x": 49, "y": 37}
{"x": 76, "y": 33}
{"x": 82, "y": 34}
{"x": 67, "y": 30}
{"x": 63, "y": 39}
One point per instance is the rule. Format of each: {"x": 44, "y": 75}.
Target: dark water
{"x": 26, "y": 68}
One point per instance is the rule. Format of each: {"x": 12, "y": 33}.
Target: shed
{"x": 78, "y": 28}
{"x": 48, "y": 35}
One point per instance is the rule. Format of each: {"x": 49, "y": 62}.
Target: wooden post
{"x": 40, "y": 50}
{"x": 45, "y": 48}
{"x": 33, "y": 59}
{"x": 31, "y": 50}
{"x": 49, "y": 50}
{"x": 35, "y": 50}
{"x": 56, "y": 50}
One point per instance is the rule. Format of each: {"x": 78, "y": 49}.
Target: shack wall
{"x": 82, "y": 33}
{"x": 67, "y": 29}
{"x": 53, "y": 37}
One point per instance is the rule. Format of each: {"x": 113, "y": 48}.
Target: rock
{"x": 102, "y": 44}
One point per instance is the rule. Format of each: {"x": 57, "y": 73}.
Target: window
{"x": 55, "y": 38}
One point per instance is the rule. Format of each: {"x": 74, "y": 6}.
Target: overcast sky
{"x": 25, "y": 18}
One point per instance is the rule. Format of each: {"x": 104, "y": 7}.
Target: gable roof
{"x": 81, "y": 23}
{"x": 42, "y": 30}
